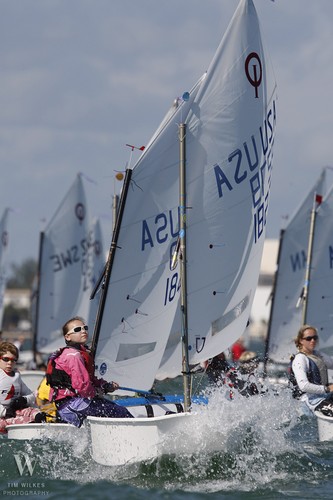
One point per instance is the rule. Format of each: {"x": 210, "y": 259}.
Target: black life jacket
{"x": 59, "y": 379}
{"x": 217, "y": 369}
{"x": 313, "y": 375}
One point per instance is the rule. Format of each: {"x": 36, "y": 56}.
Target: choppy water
{"x": 270, "y": 453}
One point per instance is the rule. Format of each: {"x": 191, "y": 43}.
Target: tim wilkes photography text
{"x": 26, "y": 486}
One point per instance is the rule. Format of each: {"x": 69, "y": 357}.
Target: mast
{"x": 272, "y": 298}
{"x": 304, "y": 293}
{"x": 107, "y": 271}
{"x": 115, "y": 203}
{"x": 39, "y": 270}
{"x": 182, "y": 262}
{"x": 3, "y": 261}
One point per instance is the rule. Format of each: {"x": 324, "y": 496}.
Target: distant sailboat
{"x": 4, "y": 256}
{"x": 303, "y": 285}
{"x": 285, "y": 317}
{"x": 319, "y": 310}
{"x": 70, "y": 255}
{"x": 317, "y": 297}
{"x": 186, "y": 250}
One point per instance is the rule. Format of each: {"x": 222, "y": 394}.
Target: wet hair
{"x": 65, "y": 328}
{"x": 8, "y": 347}
{"x": 301, "y": 333}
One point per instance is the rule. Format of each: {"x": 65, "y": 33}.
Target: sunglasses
{"x": 6, "y": 360}
{"x": 313, "y": 337}
{"x": 77, "y": 329}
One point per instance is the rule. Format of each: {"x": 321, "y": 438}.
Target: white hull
{"x": 40, "y": 431}
{"x": 32, "y": 378}
{"x": 325, "y": 427}
{"x": 120, "y": 441}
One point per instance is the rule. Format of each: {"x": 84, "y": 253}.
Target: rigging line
{"x": 136, "y": 185}
{"x": 199, "y": 382}
{"x": 131, "y": 153}
{"x": 148, "y": 394}
{"x": 89, "y": 179}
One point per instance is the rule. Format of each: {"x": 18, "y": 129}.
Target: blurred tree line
{"x": 21, "y": 276}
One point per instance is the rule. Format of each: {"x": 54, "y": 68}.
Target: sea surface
{"x": 271, "y": 451}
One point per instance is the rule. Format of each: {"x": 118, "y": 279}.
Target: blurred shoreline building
{"x": 262, "y": 304}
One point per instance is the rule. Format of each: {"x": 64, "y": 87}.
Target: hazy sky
{"x": 81, "y": 78}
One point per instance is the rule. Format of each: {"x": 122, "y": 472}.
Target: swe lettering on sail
{"x": 64, "y": 259}
{"x": 251, "y": 162}
{"x": 78, "y": 254}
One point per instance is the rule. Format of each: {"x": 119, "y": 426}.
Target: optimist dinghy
{"x": 186, "y": 249}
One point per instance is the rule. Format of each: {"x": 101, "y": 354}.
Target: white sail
{"x": 230, "y": 117}
{"x": 285, "y": 316}
{"x": 64, "y": 276}
{"x": 4, "y": 256}
{"x": 229, "y": 153}
{"x": 320, "y": 291}
{"x": 137, "y": 317}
